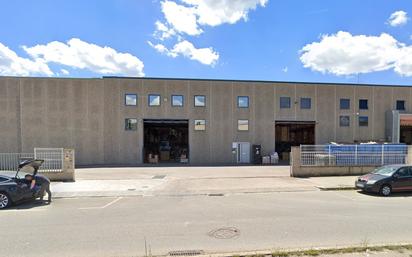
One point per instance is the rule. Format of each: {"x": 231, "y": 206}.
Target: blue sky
{"x": 234, "y": 39}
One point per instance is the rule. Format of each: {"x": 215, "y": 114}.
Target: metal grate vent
{"x": 186, "y": 253}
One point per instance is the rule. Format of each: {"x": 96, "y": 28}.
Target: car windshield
{"x": 386, "y": 170}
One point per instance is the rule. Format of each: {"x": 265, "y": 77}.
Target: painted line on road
{"x": 104, "y": 206}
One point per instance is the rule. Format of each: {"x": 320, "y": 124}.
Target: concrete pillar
{"x": 294, "y": 159}
{"x": 409, "y": 155}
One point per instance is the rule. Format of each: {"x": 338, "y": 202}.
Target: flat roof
{"x": 220, "y": 80}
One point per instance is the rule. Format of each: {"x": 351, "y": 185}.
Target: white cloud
{"x": 345, "y": 54}
{"x": 162, "y": 32}
{"x": 185, "y": 48}
{"x": 64, "y": 71}
{"x": 181, "y": 18}
{"x": 189, "y": 16}
{"x": 398, "y": 18}
{"x": 13, "y": 65}
{"x": 82, "y": 55}
{"x": 285, "y": 69}
{"x": 217, "y": 12}
{"x": 403, "y": 65}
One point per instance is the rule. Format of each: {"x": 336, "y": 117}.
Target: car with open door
{"x": 387, "y": 179}
{"x": 14, "y": 188}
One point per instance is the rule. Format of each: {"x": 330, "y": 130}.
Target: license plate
{"x": 360, "y": 185}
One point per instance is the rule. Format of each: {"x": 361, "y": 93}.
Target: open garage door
{"x": 166, "y": 141}
{"x": 290, "y": 134}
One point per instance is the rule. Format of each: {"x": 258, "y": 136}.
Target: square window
{"x": 344, "y": 121}
{"x": 200, "y": 100}
{"x": 200, "y": 124}
{"x": 284, "y": 102}
{"x": 130, "y": 99}
{"x": 305, "y": 103}
{"x": 363, "y": 104}
{"x": 130, "y": 124}
{"x": 344, "y": 104}
{"x": 154, "y": 100}
{"x": 177, "y": 100}
{"x": 400, "y": 105}
{"x": 243, "y": 101}
{"x": 363, "y": 121}
{"x": 243, "y": 125}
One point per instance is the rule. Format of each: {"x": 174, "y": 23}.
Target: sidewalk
{"x": 185, "y": 181}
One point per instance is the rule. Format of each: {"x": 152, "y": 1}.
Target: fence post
{"x": 329, "y": 162}
{"x": 383, "y": 156}
{"x": 356, "y": 154}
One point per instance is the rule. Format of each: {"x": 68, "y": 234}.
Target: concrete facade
{"x": 88, "y": 114}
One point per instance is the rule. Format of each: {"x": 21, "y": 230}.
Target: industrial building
{"x": 131, "y": 121}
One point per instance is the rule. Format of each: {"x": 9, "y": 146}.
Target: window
{"x": 177, "y": 100}
{"x": 400, "y": 105}
{"x": 243, "y": 125}
{"x": 344, "y": 104}
{"x": 243, "y": 101}
{"x": 363, "y": 121}
{"x": 130, "y": 99}
{"x": 200, "y": 124}
{"x": 363, "y": 104}
{"x": 200, "y": 100}
{"x": 284, "y": 102}
{"x": 154, "y": 100}
{"x": 404, "y": 172}
{"x": 305, "y": 103}
{"x": 344, "y": 121}
{"x": 130, "y": 124}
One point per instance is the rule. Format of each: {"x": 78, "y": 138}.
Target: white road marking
{"x": 102, "y": 207}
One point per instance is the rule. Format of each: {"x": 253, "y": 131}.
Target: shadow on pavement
{"x": 27, "y": 205}
{"x": 394, "y": 194}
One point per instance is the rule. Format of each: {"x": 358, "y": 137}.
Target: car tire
{"x": 5, "y": 200}
{"x": 385, "y": 190}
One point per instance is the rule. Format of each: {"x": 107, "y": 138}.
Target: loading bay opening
{"x": 288, "y": 134}
{"x": 166, "y": 141}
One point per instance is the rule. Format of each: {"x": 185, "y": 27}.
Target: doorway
{"x": 166, "y": 141}
{"x": 242, "y": 152}
{"x": 288, "y": 134}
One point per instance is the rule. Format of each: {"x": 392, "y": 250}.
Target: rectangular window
{"x": 363, "y": 104}
{"x": 130, "y": 99}
{"x": 243, "y": 125}
{"x": 363, "y": 121}
{"x": 243, "y": 101}
{"x": 154, "y": 100}
{"x": 400, "y": 105}
{"x": 344, "y": 121}
{"x": 200, "y": 100}
{"x": 305, "y": 103}
{"x": 130, "y": 124}
{"x": 284, "y": 102}
{"x": 177, "y": 100}
{"x": 344, "y": 104}
{"x": 200, "y": 124}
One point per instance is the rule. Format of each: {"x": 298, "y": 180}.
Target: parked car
{"x": 387, "y": 179}
{"x": 14, "y": 187}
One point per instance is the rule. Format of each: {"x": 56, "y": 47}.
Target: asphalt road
{"x": 116, "y": 226}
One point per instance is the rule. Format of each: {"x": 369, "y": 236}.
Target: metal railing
{"x": 53, "y": 159}
{"x": 352, "y": 155}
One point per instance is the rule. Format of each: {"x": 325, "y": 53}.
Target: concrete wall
{"x": 88, "y": 114}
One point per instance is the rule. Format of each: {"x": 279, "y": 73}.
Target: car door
{"x": 402, "y": 179}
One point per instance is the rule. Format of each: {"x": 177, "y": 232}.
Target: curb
{"x": 339, "y": 188}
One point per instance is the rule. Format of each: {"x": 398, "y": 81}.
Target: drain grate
{"x": 159, "y": 177}
{"x": 186, "y": 253}
{"x": 216, "y": 195}
{"x": 225, "y": 233}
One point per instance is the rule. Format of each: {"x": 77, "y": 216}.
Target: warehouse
{"x": 132, "y": 121}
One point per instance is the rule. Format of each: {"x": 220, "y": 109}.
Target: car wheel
{"x": 386, "y": 190}
{"x": 4, "y": 200}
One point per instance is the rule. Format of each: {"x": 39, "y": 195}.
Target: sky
{"x": 340, "y": 41}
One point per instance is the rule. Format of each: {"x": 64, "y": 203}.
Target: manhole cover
{"x": 159, "y": 177}
{"x": 186, "y": 253}
{"x": 225, "y": 233}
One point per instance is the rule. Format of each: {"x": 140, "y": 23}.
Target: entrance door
{"x": 290, "y": 134}
{"x": 243, "y": 152}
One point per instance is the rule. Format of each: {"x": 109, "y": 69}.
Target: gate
{"x": 53, "y": 159}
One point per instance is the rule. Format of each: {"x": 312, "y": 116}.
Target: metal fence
{"x": 352, "y": 155}
{"x": 53, "y": 159}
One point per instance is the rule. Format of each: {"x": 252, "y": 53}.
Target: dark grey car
{"x": 387, "y": 179}
{"x": 14, "y": 187}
